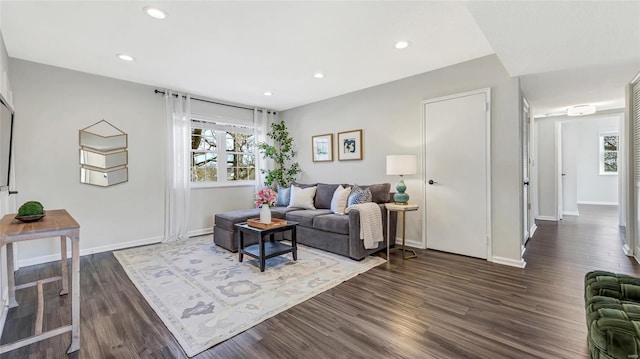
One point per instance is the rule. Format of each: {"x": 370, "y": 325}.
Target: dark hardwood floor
{"x": 436, "y": 306}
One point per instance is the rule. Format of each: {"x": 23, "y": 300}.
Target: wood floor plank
{"x": 438, "y": 305}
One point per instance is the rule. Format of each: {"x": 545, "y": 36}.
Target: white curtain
{"x": 178, "y": 165}
{"x": 262, "y": 119}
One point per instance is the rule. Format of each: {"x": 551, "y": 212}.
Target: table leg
{"x": 262, "y": 259}
{"x": 294, "y": 243}
{"x": 272, "y": 237}
{"x": 75, "y": 292}
{"x": 240, "y": 245}
{"x": 388, "y": 232}
{"x": 11, "y": 276}
{"x": 413, "y": 255}
{"x": 63, "y": 264}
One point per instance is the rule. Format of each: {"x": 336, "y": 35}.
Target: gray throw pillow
{"x": 358, "y": 196}
{"x": 284, "y": 196}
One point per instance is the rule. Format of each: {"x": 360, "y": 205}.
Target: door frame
{"x": 487, "y": 92}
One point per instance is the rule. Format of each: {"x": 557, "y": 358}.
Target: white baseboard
{"x": 509, "y": 262}
{"x": 571, "y": 213}
{"x": 87, "y": 251}
{"x": 532, "y": 231}
{"x": 599, "y": 203}
{"x": 627, "y": 250}
{"x": 546, "y": 218}
{"x": 410, "y": 243}
{"x": 200, "y": 232}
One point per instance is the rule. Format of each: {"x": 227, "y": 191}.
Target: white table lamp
{"x": 401, "y": 165}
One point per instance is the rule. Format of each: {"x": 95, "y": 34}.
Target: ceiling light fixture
{"x": 581, "y": 110}
{"x": 268, "y": 93}
{"x": 318, "y": 75}
{"x": 402, "y": 44}
{"x": 155, "y": 12}
{"x": 125, "y": 57}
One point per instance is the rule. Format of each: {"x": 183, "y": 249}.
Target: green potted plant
{"x": 30, "y": 211}
{"x": 284, "y": 173}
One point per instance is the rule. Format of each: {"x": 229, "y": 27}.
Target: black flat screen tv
{"x": 6, "y": 137}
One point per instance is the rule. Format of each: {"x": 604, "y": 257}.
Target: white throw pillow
{"x": 302, "y": 197}
{"x": 339, "y": 199}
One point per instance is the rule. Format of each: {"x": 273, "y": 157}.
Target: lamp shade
{"x": 401, "y": 165}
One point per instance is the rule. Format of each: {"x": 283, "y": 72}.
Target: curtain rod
{"x": 216, "y": 103}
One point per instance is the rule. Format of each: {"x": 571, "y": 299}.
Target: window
{"x": 609, "y": 153}
{"x": 222, "y": 153}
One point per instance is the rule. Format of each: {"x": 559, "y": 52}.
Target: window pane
{"x": 610, "y": 143}
{"x": 203, "y": 165}
{"x": 611, "y": 162}
{"x": 202, "y": 139}
{"x": 239, "y": 142}
{"x": 240, "y": 167}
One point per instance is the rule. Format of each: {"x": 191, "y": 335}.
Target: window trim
{"x": 602, "y": 151}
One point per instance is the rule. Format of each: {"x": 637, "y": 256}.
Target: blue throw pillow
{"x": 284, "y": 196}
{"x": 358, "y": 196}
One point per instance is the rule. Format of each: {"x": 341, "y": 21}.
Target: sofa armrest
{"x": 356, "y": 245}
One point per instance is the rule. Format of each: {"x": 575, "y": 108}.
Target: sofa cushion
{"x": 302, "y": 197}
{"x": 339, "y": 199}
{"x": 304, "y": 185}
{"x": 305, "y": 217}
{"x": 284, "y": 196}
{"x": 359, "y": 195}
{"x": 332, "y": 223}
{"x": 324, "y": 194}
{"x": 226, "y": 220}
{"x": 380, "y": 193}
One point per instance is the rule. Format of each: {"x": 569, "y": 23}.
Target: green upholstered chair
{"x": 612, "y": 305}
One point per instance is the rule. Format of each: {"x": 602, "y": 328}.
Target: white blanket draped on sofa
{"x": 370, "y": 223}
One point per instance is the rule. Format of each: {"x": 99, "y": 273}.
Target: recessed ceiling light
{"x": 155, "y": 13}
{"x": 318, "y": 75}
{"x": 268, "y": 93}
{"x": 581, "y": 110}
{"x": 125, "y": 57}
{"x": 402, "y": 44}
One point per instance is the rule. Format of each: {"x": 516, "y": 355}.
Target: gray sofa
{"x": 319, "y": 228}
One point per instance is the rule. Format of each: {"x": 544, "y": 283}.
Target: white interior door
{"x": 456, "y": 170}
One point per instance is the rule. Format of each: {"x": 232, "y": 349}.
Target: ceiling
{"x": 566, "y": 53}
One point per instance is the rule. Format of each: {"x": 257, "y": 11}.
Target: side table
{"x": 401, "y": 208}
{"x": 265, "y": 250}
{"x": 56, "y": 223}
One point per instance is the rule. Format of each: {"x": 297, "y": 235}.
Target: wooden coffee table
{"x": 264, "y": 250}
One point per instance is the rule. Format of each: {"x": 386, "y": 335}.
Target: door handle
{"x": 432, "y": 182}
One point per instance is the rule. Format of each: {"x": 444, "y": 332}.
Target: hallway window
{"x": 609, "y": 153}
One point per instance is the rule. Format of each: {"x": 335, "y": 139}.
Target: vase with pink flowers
{"x": 266, "y": 197}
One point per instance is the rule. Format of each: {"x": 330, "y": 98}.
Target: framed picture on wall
{"x": 322, "y": 146}
{"x": 350, "y": 145}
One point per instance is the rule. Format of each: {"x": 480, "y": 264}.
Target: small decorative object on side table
{"x": 266, "y": 197}
{"x": 265, "y": 250}
{"x": 402, "y": 208}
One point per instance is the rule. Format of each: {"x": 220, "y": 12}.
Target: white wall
{"x": 594, "y": 188}
{"x": 582, "y": 183}
{"x": 546, "y": 154}
{"x": 391, "y": 118}
{"x": 52, "y": 105}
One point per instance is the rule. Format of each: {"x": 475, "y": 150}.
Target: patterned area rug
{"x": 205, "y": 296}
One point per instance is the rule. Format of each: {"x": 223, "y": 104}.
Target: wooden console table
{"x": 55, "y": 223}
